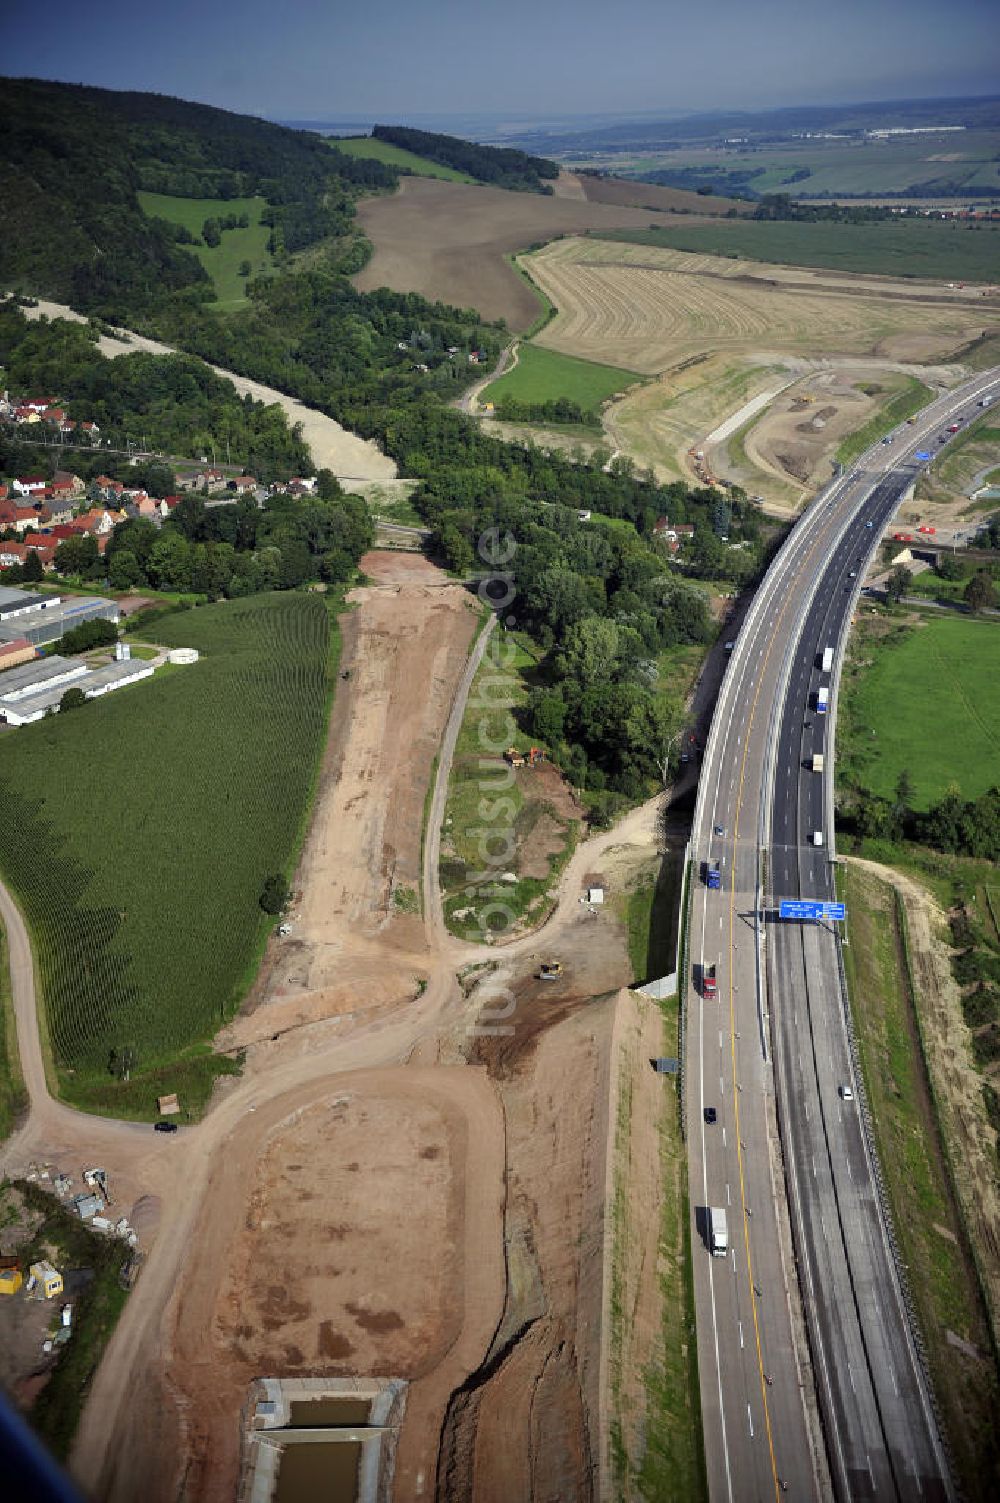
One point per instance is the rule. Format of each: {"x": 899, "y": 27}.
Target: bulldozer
{"x": 551, "y": 970}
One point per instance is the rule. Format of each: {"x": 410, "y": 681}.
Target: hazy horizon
{"x": 308, "y": 61}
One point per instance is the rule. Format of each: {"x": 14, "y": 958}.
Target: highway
{"x": 811, "y": 1384}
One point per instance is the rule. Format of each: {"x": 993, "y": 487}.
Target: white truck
{"x": 822, "y": 700}
{"x": 817, "y": 761}
{"x": 826, "y": 662}
{"x": 718, "y": 1232}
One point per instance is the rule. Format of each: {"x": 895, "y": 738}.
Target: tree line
{"x": 232, "y": 550}
{"x": 75, "y": 158}
{"x": 500, "y": 166}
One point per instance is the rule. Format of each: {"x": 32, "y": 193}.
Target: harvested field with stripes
{"x": 649, "y": 309}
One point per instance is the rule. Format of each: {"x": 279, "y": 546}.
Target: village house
{"x": 242, "y": 484}
{"x": 12, "y": 554}
{"x": 29, "y": 485}
{"x": 65, "y": 478}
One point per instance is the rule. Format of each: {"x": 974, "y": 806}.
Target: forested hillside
{"x": 173, "y": 403}
{"x": 74, "y": 159}
{"x": 601, "y": 598}
{"x": 501, "y": 166}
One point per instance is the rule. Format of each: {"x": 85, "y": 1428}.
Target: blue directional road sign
{"x": 789, "y": 909}
{"x": 923, "y": 454}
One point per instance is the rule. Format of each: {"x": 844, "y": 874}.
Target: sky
{"x": 522, "y": 59}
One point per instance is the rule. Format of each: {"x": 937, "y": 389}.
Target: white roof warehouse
{"x": 28, "y": 697}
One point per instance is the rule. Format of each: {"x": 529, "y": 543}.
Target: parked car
{"x": 164, "y": 1126}
{"x": 846, "y": 1093}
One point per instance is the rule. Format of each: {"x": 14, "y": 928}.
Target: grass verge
{"x": 902, "y": 404}
{"x": 13, "y": 1097}
{"x": 926, "y": 1217}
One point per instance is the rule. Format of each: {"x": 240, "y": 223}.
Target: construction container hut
{"x": 11, "y": 1280}
{"x": 48, "y": 1279}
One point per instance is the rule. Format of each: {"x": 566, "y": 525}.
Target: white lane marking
{"x": 851, "y": 1377}
{"x": 729, "y": 1198}
{"x": 722, "y": 1086}
{"x": 750, "y": 1421}
{"x": 721, "y": 1046}
{"x": 724, "y": 1137}
{"x": 814, "y": 1165}
{"x": 734, "y": 1262}
{"x": 895, "y": 1385}
{"x": 741, "y": 1334}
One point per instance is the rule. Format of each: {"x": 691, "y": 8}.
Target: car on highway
{"x": 164, "y": 1126}
{"x": 711, "y": 1115}
{"x": 853, "y": 574}
{"x": 869, "y": 524}
{"x": 846, "y": 1093}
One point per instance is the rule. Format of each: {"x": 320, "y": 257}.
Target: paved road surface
{"x": 810, "y": 1382}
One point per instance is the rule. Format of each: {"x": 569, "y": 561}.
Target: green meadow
{"x": 223, "y": 261}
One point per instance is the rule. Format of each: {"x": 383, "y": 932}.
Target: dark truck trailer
{"x": 712, "y": 873}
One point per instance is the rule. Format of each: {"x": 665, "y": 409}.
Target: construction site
{"x": 388, "y": 1064}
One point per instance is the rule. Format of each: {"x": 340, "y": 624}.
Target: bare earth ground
{"x": 957, "y": 1084}
{"x": 382, "y": 1190}
{"x": 350, "y": 948}
{"x": 449, "y": 240}
{"x": 333, "y": 447}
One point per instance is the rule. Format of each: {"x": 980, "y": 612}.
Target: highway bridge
{"x": 812, "y": 1383}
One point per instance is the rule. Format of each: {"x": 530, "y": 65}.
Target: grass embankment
{"x": 910, "y": 398}
{"x": 963, "y": 460}
{"x": 138, "y": 832}
{"x": 926, "y": 1217}
{"x": 12, "y": 1093}
{"x": 656, "y": 1453}
{"x": 650, "y": 912}
{"x": 372, "y": 148}
{"x": 542, "y": 375}
{"x": 524, "y": 825}
{"x": 926, "y": 248}
{"x": 925, "y": 698}
{"x": 222, "y": 261}
{"x": 70, "y": 1245}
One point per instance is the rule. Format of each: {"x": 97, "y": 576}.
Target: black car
{"x": 164, "y": 1126}
{"x": 711, "y": 1115}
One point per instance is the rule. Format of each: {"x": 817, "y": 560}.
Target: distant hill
{"x": 499, "y": 166}
{"x": 75, "y": 158}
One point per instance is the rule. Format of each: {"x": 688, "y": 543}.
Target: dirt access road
{"x": 333, "y": 447}
{"x": 273, "y": 1229}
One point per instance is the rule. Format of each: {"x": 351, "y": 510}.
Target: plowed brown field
{"x": 450, "y": 240}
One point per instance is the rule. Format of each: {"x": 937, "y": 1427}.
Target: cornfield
{"x": 138, "y": 830}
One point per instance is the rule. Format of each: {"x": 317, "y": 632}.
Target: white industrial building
{"x": 31, "y": 691}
